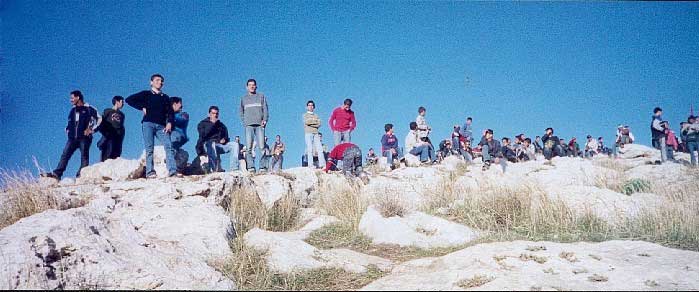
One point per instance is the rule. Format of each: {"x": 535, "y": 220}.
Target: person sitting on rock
{"x": 419, "y": 148}
{"x": 213, "y": 140}
{"x": 178, "y": 137}
{"x": 507, "y": 150}
{"x": 351, "y": 157}
{"x": 529, "y": 150}
{"x": 573, "y": 148}
{"x": 591, "y": 147}
{"x": 491, "y": 151}
{"x": 389, "y": 146}
{"x": 552, "y": 145}
{"x": 371, "y": 158}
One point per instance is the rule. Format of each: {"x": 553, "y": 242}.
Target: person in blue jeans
{"x": 254, "y": 114}
{"x": 179, "y": 131}
{"x": 389, "y": 146}
{"x": 214, "y": 141}
{"x": 419, "y": 148}
{"x": 83, "y": 119}
{"x": 690, "y": 131}
{"x": 492, "y": 151}
{"x": 157, "y": 122}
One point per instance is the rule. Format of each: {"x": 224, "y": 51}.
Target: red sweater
{"x": 337, "y": 154}
{"x": 342, "y": 120}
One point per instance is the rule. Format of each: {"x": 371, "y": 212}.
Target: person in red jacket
{"x": 351, "y": 157}
{"x": 342, "y": 122}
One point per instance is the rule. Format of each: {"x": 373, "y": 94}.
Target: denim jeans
{"x": 265, "y": 161}
{"x": 692, "y": 147}
{"x": 277, "y": 161}
{"x": 71, "y": 146}
{"x": 214, "y": 151}
{"x": 389, "y": 154}
{"x": 487, "y": 157}
{"x": 254, "y": 132}
{"x": 151, "y": 131}
{"x": 660, "y": 144}
{"x": 178, "y": 140}
{"x": 342, "y": 137}
{"x": 313, "y": 143}
{"x": 424, "y": 151}
{"x": 111, "y": 147}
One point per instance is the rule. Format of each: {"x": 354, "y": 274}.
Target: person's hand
{"x": 144, "y": 111}
{"x": 88, "y": 132}
{"x": 393, "y": 151}
{"x": 223, "y": 141}
{"x": 168, "y": 128}
{"x": 264, "y": 123}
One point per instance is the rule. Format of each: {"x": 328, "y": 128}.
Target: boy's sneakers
{"x": 176, "y": 174}
{"x": 486, "y": 165}
{"x": 151, "y": 175}
{"x": 50, "y": 174}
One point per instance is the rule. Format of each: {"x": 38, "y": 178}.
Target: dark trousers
{"x": 110, "y": 147}
{"x": 72, "y": 145}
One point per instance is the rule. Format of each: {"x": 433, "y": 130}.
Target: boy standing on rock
{"x": 112, "y": 129}
{"x": 311, "y": 124}
{"x": 254, "y": 114}
{"x": 157, "y": 122}
{"x": 342, "y": 122}
{"x": 83, "y": 119}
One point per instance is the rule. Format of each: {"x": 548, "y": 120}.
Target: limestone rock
{"x": 414, "y": 229}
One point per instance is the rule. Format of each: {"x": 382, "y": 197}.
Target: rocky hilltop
{"x": 566, "y": 224}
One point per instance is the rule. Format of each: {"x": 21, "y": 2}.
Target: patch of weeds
{"x": 475, "y": 281}
{"x": 569, "y": 256}
{"x": 536, "y": 248}
{"x": 598, "y": 278}
{"x": 635, "y": 185}
{"x": 530, "y": 257}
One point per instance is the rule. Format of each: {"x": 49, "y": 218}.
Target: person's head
{"x": 573, "y": 139}
{"x": 213, "y": 112}
{"x": 549, "y": 131}
{"x": 237, "y": 139}
{"x": 278, "y": 138}
{"x": 388, "y": 128}
{"x": 505, "y": 141}
{"x": 600, "y": 138}
{"x": 527, "y": 141}
{"x": 457, "y": 128}
{"x": 469, "y": 120}
{"x": 691, "y": 119}
{"x": 421, "y": 110}
{"x": 157, "y": 81}
{"x": 118, "y": 101}
{"x": 251, "y": 86}
{"x": 176, "y": 103}
{"x": 371, "y": 150}
{"x": 76, "y": 97}
{"x": 310, "y": 106}
{"x": 347, "y": 104}
{"x": 589, "y": 137}
{"x": 447, "y": 143}
{"x": 413, "y": 126}
{"x": 657, "y": 111}
{"x": 489, "y": 134}
{"x": 537, "y": 138}
{"x": 563, "y": 141}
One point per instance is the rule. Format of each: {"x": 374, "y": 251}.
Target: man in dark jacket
{"x": 491, "y": 151}
{"x": 83, "y": 119}
{"x": 213, "y": 140}
{"x": 112, "y": 129}
{"x": 552, "y": 145}
{"x": 157, "y": 122}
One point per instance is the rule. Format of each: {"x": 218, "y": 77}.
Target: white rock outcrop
{"x": 522, "y": 265}
{"x": 414, "y": 229}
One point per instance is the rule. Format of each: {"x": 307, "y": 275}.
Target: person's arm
{"x": 265, "y": 111}
{"x": 657, "y": 125}
{"x": 331, "y": 121}
{"x": 241, "y": 110}
{"x": 631, "y": 137}
{"x": 224, "y": 129}
{"x": 137, "y": 100}
{"x": 353, "y": 121}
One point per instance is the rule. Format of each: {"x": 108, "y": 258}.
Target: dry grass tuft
{"x": 390, "y": 204}
{"x": 250, "y": 272}
{"x": 343, "y": 202}
{"x": 247, "y": 212}
{"x": 23, "y": 196}
{"x": 475, "y": 281}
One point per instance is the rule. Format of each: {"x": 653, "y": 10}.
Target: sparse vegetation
{"x": 475, "y": 281}
{"x": 635, "y": 185}
{"x": 390, "y": 204}
{"x": 247, "y": 212}
{"x": 22, "y": 196}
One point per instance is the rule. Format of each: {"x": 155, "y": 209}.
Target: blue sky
{"x": 514, "y": 67}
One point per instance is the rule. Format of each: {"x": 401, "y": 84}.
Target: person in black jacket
{"x": 552, "y": 145}
{"x": 158, "y": 120}
{"x": 112, "y": 129}
{"x": 83, "y": 119}
{"x": 213, "y": 140}
{"x": 491, "y": 151}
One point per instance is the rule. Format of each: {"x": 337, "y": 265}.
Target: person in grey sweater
{"x": 254, "y": 115}
{"x": 311, "y": 124}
